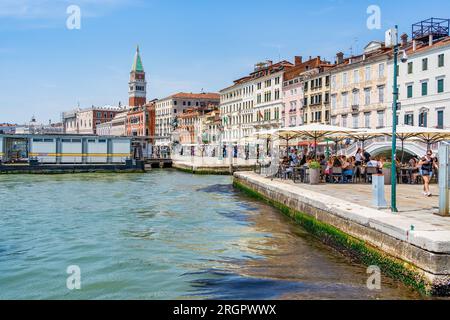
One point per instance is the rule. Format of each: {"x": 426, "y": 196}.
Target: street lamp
{"x": 404, "y": 59}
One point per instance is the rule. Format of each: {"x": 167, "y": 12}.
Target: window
{"x": 344, "y": 100}
{"x": 355, "y": 121}
{"x": 409, "y": 91}
{"x": 367, "y": 96}
{"x": 356, "y": 76}
{"x": 440, "y": 85}
{"x": 380, "y": 119}
{"x": 344, "y": 78}
{"x": 333, "y": 82}
{"x": 409, "y": 119}
{"x": 259, "y": 85}
{"x": 441, "y": 60}
{"x": 367, "y": 119}
{"x": 344, "y": 121}
{"x": 277, "y": 94}
{"x": 423, "y": 119}
{"x": 440, "y": 119}
{"x": 277, "y": 80}
{"x": 356, "y": 98}
{"x": 333, "y": 121}
{"x": 425, "y": 64}
{"x": 381, "y": 94}
{"x": 410, "y": 67}
{"x": 333, "y": 101}
{"x": 368, "y": 71}
{"x": 381, "y": 70}
{"x": 424, "y": 88}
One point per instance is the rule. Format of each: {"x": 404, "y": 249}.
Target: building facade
{"x": 237, "y": 110}
{"x": 424, "y": 93}
{"x": 116, "y": 127}
{"x": 169, "y": 110}
{"x": 359, "y": 89}
{"x": 306, "y": 93}
{"x": 85, "y": 121}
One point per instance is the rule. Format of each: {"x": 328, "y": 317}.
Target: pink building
{"x": 293, "y": 91}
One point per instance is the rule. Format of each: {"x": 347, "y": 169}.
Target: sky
{"x": 186, "y": 45}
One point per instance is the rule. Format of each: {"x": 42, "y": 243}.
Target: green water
{"x": 162, "y": 235}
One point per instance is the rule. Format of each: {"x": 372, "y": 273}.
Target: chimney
{"x": 430, "y": 41}
{"x": 404, "y": 38}
{"x": 339, "y": 58}
{"x": 414, "y": 45}
{"x": 298, "y": 60}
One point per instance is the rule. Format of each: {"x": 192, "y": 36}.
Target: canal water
{"x": 163, "y": 235}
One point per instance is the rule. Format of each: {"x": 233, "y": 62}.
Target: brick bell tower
{"x": 137, "y": 84}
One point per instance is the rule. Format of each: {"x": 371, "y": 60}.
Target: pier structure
{"x": 65, "y": 153}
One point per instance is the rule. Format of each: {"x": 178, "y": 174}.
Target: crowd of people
{"x": 351, "y": 167}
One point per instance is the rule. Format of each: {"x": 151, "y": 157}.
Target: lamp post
{"x": 394, "y": 125}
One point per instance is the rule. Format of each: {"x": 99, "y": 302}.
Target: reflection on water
{"x": 163, "y": 235}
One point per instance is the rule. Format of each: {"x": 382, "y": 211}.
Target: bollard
{"x": 443, "y": 180}
{"x": 379, "y": 198}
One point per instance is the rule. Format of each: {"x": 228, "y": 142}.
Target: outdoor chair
{"x": 337, "y": 176}
{"x": 370, "y": 171}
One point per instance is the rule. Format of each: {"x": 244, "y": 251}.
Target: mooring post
{"x": 443, "y": 179}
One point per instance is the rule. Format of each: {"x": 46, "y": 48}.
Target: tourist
{"x": 427, "y": 164}
{"x": 414, "y": 165}
{"x": 367, "y": 157}
{"x": 329, "y": 170}
{"x": 359, "y": 157}
{"x": 347, "y": 169}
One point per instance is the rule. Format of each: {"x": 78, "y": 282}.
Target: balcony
{"x": 355, "y": 108}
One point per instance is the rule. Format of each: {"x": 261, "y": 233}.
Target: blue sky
{"x": 186, "y": 45}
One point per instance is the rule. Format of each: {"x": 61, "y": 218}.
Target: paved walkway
{"x": 212, "y": 162}
{"x": 354, "y": 201}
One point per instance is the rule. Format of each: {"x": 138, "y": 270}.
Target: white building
{"x": 85, "y": 121}
{"x": 236, "y": 110}
{"x": 169, "y": 109}
{"x": 254, "y": 103}
{"x": 116, "y": 127}
{"x": 423, "y": 82}
{"x": 269, "y": 104}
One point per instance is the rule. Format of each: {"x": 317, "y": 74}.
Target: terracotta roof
{"x": 311, "y": 64}
{"x": 422, "y": 47}
{"x": 183, "y": 95}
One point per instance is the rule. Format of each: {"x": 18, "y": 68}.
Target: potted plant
{"x": 387, "y": 169}
{"x": 314, "y": 172}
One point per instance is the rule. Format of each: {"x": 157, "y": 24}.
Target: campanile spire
{"x": 137, "y": 84}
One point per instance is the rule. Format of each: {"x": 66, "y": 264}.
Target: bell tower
{"x": 137, "y": 85}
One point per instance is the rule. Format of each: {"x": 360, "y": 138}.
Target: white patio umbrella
{"x": 314, "y": 132}
{"x": 363, "y": 135}
{"x": 426, "y": 135}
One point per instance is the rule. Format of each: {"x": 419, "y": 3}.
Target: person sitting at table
{"x": 294, "y": 158}
{"x": 286, "y": 167}
{"x": 347, "y": 168}
{"x": 329, "y": 169}
{"x": 373, "y": 163}
{"x": 337, "y": 162}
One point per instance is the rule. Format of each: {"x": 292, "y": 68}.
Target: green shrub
{"x": 314, "y": 165}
